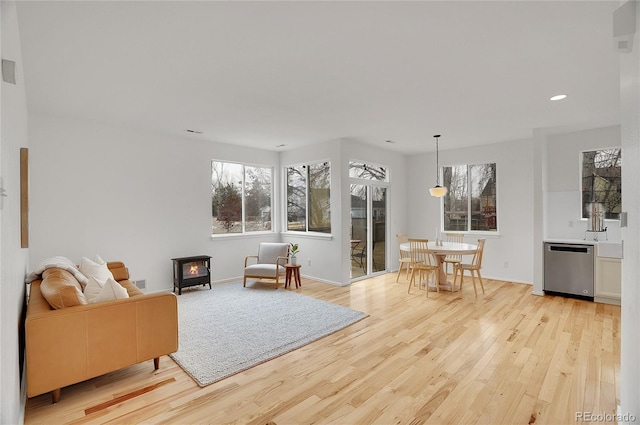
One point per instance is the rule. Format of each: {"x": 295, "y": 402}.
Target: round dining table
{"x": 440, "y": 252}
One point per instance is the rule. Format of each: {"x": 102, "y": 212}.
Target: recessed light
{"x": 280, "y": 146}
{"x": 558, "y": 97}
{"x": 389, "y": 141}
{"x": 188, "y": 130}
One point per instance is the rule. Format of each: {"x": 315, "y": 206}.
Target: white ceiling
{"x": 268, "y": 73}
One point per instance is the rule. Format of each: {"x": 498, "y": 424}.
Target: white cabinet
{"x": 608, "y": 280}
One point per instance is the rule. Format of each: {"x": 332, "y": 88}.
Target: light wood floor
{"x": 508, "y": 357}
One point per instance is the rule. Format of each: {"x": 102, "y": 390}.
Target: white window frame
{"x": 495, "y": 232}
{"x": 285, "y": 201}
{"x": 244, "y": 232}
{"x": 581, "y": 169}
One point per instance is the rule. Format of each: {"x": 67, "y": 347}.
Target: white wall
{"x": 323, "y": 251}
{"x": 563, "y": 193}
{"x": 516, "y": 184}
{"x": 330, "y": 256}
{"x": 515, "y": 204}
{"x": 144, "y": 198}
{"x": 13, "y": 259}
{"x": 397, "y": 197}
{"x": 128, "y": 195}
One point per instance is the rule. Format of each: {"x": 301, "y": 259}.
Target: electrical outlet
{"x": 309, "y": 262}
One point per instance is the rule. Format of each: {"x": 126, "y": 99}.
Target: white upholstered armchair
{"x": 269, "y": 263}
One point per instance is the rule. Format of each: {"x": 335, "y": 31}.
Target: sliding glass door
{"x": 368, "y": 230}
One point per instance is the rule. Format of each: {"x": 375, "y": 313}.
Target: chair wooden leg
{"x": 455, "y": 278}
{"x": 473, "y": 279}
{"x": 435, "y": 279}
{"x": 411, "y": 280}
{"x": 426, "y": 285}
{"x": 458, "y": 271}
{"x": 399, "y": 271}
{"x": 480, "y": 279}
{"x": 156, "y": 363}
{"x": 244, "y": 282}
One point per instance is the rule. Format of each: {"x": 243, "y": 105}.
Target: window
{"x": 470, "y": 202}
{"x": 308, "y": 200}
{"x": 241, "y": 198}
{"x": 360, "y": 170}
{"x": 602, "y": 181}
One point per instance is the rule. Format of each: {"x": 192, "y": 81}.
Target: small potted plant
{"x": 293, "y": 251}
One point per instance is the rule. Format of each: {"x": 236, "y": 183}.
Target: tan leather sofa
{"x": 72, "y": 344}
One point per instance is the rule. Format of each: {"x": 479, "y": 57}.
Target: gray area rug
{"x": 228, "y": 329}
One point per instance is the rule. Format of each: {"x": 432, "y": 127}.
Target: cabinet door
{"x": 608, "y": 280}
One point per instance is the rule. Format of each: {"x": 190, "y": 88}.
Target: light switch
{"x": 623, "y": 219}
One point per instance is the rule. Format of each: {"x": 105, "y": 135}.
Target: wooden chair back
{"x": 420, "y": 254}
{"x": 477, "y": 257}
{"x": 402, "y": 238}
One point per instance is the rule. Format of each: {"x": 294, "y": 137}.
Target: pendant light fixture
{"x": 437, "y": 191}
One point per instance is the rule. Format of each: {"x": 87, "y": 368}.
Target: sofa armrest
{"x": 119, "y": 270}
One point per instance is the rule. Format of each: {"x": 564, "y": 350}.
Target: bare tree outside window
{"x": 308, "y": 198}
{"x": 470, "y": 202}
{"x": 456, "y": 201}
{"x": 297, "y": 198}
{"x": 319, "y": 198}
{"x": 602, "y": 181}
{"x": 226, "y": 185}
{"x": 241, "y": 198}
{"x": 360, "y": 170}
{"x": 482, "y": 178}
{"x": 257, "y": 199}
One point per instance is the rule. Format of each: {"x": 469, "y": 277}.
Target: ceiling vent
{"x": 624, "y": 26}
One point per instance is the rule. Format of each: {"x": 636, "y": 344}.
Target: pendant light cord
{"x": 437, "y": 136}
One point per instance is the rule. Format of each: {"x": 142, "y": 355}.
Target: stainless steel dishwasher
{"x": 568, "y": 269}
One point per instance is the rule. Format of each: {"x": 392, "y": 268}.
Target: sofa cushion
{"x": 93, "y": 288}
{"x": 111, "y": 290}
{"x": 61, "y": 289}
{"x": 91, "y": 268}
{"x": 56, "y": 262}
{"x": 268, "y": 252}
{"x": 119, "y": 270}
{"x": 131, "y": 288}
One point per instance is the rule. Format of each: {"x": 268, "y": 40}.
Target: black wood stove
{"x": 191, "y": 271}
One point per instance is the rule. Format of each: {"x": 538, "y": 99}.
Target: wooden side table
{"x": 292, "y": 270}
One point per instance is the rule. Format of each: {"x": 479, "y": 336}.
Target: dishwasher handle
{"x": 569, "y": 248}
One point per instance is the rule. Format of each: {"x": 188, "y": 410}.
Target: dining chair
{"x": 423, "y": 261}
{"x": 359, "y": 254}
{"x": 452, "y": 259}
{"x": 405, "y": 257}
{"x": 474, "y": 266}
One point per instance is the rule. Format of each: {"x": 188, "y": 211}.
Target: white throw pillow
{"x": 109, "y": 292}
{"x": 91, "y": 268}
{"x": 93, "y": 288}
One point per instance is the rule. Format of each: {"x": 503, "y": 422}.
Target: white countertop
{"x": 573, "y": 241}
{"x": 611, "y": 249}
